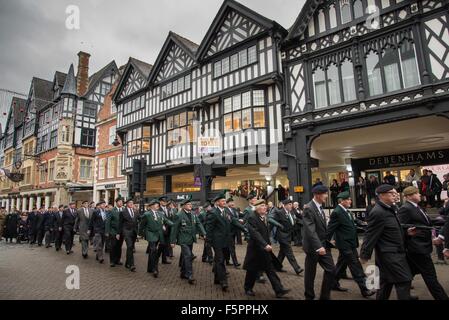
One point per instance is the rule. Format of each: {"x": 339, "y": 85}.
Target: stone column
{"x": 39, "y": 202}
{"x": 19, "y": 204}
{"x": 24, "y": 203}
{"x": 106, "y": 196}
{"x": 13, "y": 204}
{"x": 47, "y": 201}
{"x": 7, "y": 205}
{"x": 31, "y": 205}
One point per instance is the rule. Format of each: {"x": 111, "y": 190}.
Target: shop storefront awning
{"x": 73, "y": 187}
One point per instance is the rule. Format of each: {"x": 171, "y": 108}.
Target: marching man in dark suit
{"x": 112, "y": 233}
{"x": 316, "y": 246}
{"x": 284, "y": 235}
{"x": 385, "y": 234}
{"x": 186, "y": 226}
{"x": 58, "y": 227}
{"x": 207, "y": 249}
{"x": 419, "y": 247}
{"x": 230, "y": 251}
{"x": 259, "y": 254}
{"x": 218, "y": 230}
{"x": 82, "y": 223}
{"x": 97, "y": 226}
{"x": 342, "y": 227}
{"x": 127, "y": 227}
{"x": 68, "y": 226}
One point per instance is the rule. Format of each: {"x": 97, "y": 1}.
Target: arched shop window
{"x": 334, "y": 85}
{"x": 357, "y": 7}
{"x": 244, "y": 111}
{"x": 345, "y": 11}
{"x": 395, "y": 68}
{"x": 180, "y": 128}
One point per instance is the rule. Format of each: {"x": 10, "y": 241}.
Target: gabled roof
{"x": 189, "y": 47}
{"x": 221, "y": 15}
{"x": 59, "y": 78}
{"x": 18, "y": 106}
{"x": 143, "y": 68}
{"x": 43, "y": 92}
{"x": 70, "y": 83}
{"x": 301, "y": 23}
{"x": 96, "y": 77}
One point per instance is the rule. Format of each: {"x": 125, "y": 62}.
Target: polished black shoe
{"x": 192, "y": 280}
{"x": 119, "y": 263}
{"x": 250, "y": 293}
{"x": 282, "y": 293}
{"x": 193, "y": 258}
{"x": 68, "y": 252}
{"x": 183, "y": 276}
{"x": 216, "y": 282}
{"x": 368, "y": 293}
{"x": 228, "y": 263}
{"x": 85, "y": 256}
{"x": 340, "y": 289}
{"x": 156, "y": 274}
{"x": 224, "y": 287}
{"x": 299, "y": 271}
{"x": 261, "y": 280}
{"x": 112, "y": 265}
{"x": 132, "y": 269}
{"x": 101, "y": 260}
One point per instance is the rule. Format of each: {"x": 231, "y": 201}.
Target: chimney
{"x": 82, "y": 76}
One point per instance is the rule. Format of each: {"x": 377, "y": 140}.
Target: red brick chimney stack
{"x": 82, "y": 76}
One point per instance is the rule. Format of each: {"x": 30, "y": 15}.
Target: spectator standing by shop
{"x": 360, "y": 190}
{"x": 371, "y": 186}
{"x": 335, "y": 190}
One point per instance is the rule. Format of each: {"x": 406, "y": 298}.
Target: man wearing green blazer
{"x": 186, "y": 226}
{"x": 153, "y": 225}
{"x": 343, "y": 229}
{"x": 111, "y": 232}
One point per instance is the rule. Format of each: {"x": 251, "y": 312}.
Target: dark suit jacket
{"x": 314, "y": 236}
{"x": 127, "y": 224}
{"x": 218, "y": 228}
{"x": 68, "y": 219}
{"x": 344, "y": 229}
{"x": 57, "y": 221}
{"x": 385, "y": 234}
{"x": 422, "y": 242}
{"x": 96, "y": 223}
{"x": 284, "y": 234}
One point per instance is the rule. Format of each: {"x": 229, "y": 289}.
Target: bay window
{"x": 180, "y": 128}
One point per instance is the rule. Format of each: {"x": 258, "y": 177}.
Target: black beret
{"x": 163, "y": 198}
{"x": 129, "y": 200}
{"x": 219, "y": 197}
{"x": 118, "y": 199}
{"x": 287, "y": 201}
{"x": 186, "y": 201}
{"x": 206, "y": 204}
{"x": 101, "y": 202}
{"x": 384, "y": 188}
{"x": 320, "y": 189}
{"x": 229, "y": 200}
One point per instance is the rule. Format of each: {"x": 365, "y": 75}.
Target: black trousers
{"x": 115, "y": 254}
{"x": 186, "y": 260}
{"x": 68, "y": 237}
{"x": 286, "y": 251}
{"x": 48, "y": 237}
{"x": 423, "y": 264}
{"x": 439, "y": 249}
{"x": 327, "y": 263}
{"x": 230, "y": 252}
{"x": 253, "y": 275}
{"x": 219, "y": 266}
{"x": 58, "y": 239}
{"x": 238, "y": 237}
{"x": 402, "y": 290}
{"x": 130, "y": 239}
{"x": 153, "y": 257}
{"x": 163, "y": 251}
{"x": 40, "y": 236}
{"x": 32, "y": 235}
{"x": 297, "y": 235}
{"x": 207, "y": 252}
{"x": 350, "y": 258}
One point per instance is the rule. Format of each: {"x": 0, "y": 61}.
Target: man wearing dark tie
{"x": 164, "y": 246}
{"x": 82, "y": 223}
{"x": 230, "y": 251}
{"x": 284, "y": 235}
{"x": 128, "y": 227}
{"x": 111, "y": 230}
{"x": 59, "y": 233}
{"x": 316, "y": 245}
{"x": 342, "y": 228}
{"x": 419, "y": 247}
{"x": 68, "y": 226}
{"x": 97, "y": 228}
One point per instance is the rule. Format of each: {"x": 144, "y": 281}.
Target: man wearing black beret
{"x": 285, "y": 233}
{"x": 385, "y": 234}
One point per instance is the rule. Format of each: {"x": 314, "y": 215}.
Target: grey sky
{"x": 35, "y": 42}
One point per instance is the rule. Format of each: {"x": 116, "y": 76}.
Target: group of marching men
{"x": 402, "y": 238}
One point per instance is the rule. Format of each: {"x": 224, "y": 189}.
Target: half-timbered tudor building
{"x": 231, "y": 83}
{"x": 367, "y": 88}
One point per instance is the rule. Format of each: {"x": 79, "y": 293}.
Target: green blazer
{"x": 153, "y": 228}
{"x": 185, "y": 229}
{"x": 218, "y": 228}
{"x": 343, "y": 229}
{"x": 111, "y": 225}
{"x": 248, "y": 210}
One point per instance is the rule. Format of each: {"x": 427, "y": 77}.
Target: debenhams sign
{"x": 402, "y": 160}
